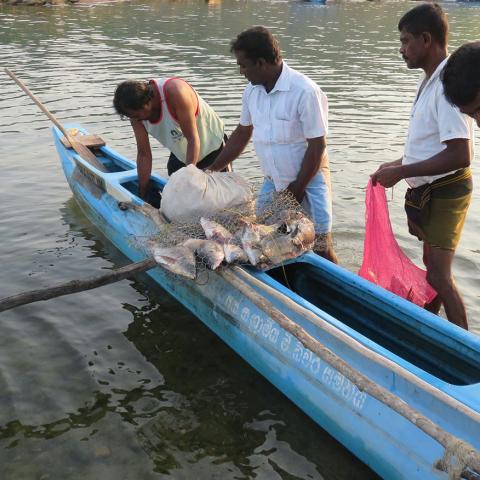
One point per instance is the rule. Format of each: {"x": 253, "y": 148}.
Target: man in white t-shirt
{"x": 436, "y": 159}
{"x": 287, "y": 114}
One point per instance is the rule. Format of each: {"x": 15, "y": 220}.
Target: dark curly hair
{"x": 256, "y": 43}
{"x": 461, "y": 75}
{"x": 131, "y": 95}
{"x": 427, "y": 17}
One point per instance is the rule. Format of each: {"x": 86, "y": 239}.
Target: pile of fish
{"x": 260, "y": 245}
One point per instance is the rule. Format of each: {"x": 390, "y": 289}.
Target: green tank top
{"x": 168, "y": 132}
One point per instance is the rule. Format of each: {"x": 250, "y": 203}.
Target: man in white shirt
{"x": 287, "y": 114}
{"x": 436, "y": 159}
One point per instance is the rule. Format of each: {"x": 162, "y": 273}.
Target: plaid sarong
{"x": 436, "y": 212}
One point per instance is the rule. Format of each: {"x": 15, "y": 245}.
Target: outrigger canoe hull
{"x": 432, "y": 349}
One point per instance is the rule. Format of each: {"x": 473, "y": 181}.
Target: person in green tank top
{"x": 171, "y": 111}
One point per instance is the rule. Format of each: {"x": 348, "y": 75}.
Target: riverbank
{"x": 52, "y": 2}
{"x": 38, "y": 2}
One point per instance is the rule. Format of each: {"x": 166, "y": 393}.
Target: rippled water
{"x": 123, "y": 382}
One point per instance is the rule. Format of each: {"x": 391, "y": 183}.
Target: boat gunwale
{"x": 435, "y": 326}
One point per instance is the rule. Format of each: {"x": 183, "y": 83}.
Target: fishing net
{"x": 384, "y": 262}
{"x": 264, "y": 232}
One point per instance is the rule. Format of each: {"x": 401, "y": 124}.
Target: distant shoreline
{"x": 37, "y": 3}
{"x": 55, "y": 2}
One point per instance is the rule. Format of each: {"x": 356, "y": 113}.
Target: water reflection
{"x": 175, "y": 393}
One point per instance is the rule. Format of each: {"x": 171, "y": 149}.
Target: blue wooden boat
{"x": 430, "y": 349}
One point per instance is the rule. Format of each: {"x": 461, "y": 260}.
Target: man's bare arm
{"x": 183, "y": 103}
{"x": 457, "y": 155}
{"x": 315, "y": 156}
{"x": 144, "y": 156}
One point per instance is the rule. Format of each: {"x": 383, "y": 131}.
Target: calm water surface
{"x": 122, "y": 382}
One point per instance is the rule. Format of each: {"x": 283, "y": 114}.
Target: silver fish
{"x": 280, "y": 248}
{"x": 250, "y": 236}
{"x": 179, "y": 260}
{"x": 234, "y": 253}
{"x": 304, "y": 233}
{"x": 289, "y": 237}
{"x": 215, "y": 231}
{"x": 208, "y": 251}
{"x": 231, "y": 247}
{"x": 297, "y": 226}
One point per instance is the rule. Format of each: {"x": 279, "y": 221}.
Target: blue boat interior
{"x": 115, "y": 164}
{"x": 438, "y": 358}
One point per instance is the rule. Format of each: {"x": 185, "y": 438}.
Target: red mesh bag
{"x": 384, "y": 262}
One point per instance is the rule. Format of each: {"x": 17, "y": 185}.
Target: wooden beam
{"x": 76, "y": 286}
{"x": 90, "y": 141}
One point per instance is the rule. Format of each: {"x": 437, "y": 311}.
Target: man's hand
{"x": 375, "y": 176}
{"x": 297, "y": 191}
{"x": 388, "y": 176}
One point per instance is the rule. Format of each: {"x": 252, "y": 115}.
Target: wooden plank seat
{"x": 92, "y": 141}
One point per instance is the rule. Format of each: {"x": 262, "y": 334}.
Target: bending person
{"x": 287, "y": 114}
{"x": 171, "y": 111}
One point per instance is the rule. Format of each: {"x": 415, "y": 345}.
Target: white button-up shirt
{"x": 294, "y": 110}
{"x": 433, "y": 121}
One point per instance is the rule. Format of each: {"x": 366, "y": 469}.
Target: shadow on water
{"x": 201, "y": 411}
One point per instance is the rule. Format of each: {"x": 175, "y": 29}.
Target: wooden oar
{"x": 81, "y": 149}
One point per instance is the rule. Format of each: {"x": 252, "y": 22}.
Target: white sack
{"x": 191, "y": 193}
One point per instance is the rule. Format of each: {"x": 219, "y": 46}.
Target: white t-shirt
{"x": 294, "y": 110}
{"x": 433, "y": 121}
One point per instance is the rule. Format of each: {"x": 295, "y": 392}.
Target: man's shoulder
{"x": 438, "y": 96}
{"x": 299, "y": 80}
{"x": 177, "y": 87}
{"x": 249, "y": 89}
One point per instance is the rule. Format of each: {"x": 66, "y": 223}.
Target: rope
{"x": 455, "y": 459}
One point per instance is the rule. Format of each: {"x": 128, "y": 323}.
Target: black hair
{"x": 461, "y": 75}
{"x": 131, "y": 95}
{"x": 256, "y": 43}
{"x": 427, "y": 17}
